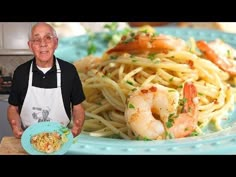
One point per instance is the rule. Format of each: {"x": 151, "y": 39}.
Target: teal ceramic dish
{"x": 45, "y": 127}
{"x": 222, "y": 142}
{"x": 219, "y": 143}
{"x": 74, "y": 48}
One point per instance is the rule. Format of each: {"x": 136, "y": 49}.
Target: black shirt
{"x": 71, "y": 87}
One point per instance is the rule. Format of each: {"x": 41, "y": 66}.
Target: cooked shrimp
{"x": 186, "y": 122}
{"x": 154, "y": 110}
{"x": 219, "y": 53}
{"x": 142, "y": 42}
{"x": 146, "y": 106}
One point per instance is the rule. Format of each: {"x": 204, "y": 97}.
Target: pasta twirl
{"x": 48, "y": 142}
{"x": 111, "y": 79}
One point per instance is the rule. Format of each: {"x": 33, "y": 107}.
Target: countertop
{"x": 4, "y": 97}
{"x": 11, "y": 146}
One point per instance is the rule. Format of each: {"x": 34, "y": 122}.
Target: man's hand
{"x": 14, "y": 120}
{"x": 16, "y": 129}
{"x": 76, "y": 129}
{"x": 78, "y": 119}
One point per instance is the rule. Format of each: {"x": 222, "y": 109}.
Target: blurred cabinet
{"x": 1, "y": 32}
{"x": 5, "y": 128}
{"x": 14, "y": 38}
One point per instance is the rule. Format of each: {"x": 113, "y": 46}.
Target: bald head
{"x": 41, "y": 26}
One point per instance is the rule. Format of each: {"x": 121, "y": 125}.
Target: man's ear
{"x": 29, "y": 44}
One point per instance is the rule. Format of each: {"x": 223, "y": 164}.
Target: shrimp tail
{"x": 186, "y": 122}
{"x": 189, "y": 93}
{"x": 207, "y": 51}
{"x": 210, "y": 54}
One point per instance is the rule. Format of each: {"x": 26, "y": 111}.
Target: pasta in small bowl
{"x": 47, "y": 138}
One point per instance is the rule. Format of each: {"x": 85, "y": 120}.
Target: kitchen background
{"x": 14, "y": 48}
{"x": 14, "y": 36}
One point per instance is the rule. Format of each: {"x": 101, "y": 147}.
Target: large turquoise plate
{"x": 222, "y": 142}
{"x": 45, "y": 127}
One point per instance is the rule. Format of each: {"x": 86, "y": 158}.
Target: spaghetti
{"x": 48, "y": 142}
{"x": 109, "y": 81}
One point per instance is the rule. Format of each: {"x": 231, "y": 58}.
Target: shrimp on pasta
{"x": 47, "y": 142}
{"x": 143, "y": 42}
{"x": 152, "y": 111}
{"x": 170, "y": 69}
{"x": 220, "y": 53}
{"x": 184, "y": 123}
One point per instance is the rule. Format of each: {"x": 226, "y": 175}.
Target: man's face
{"x": 43, "y": 43}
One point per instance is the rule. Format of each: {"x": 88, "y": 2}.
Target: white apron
{"x": 43, "y": 104}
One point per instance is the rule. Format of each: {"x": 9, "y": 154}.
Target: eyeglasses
{"x": 47, "y": 39}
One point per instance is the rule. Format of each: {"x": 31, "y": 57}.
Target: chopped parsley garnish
{"x": 170, "y": 120}
{"x": 194, "y": 133}
{"x": 131, "y": 106}
{"x": 113, "y": 57}
{"x": 171, "y": 115}
{"x": 228, "y": 53}
{"x": 114, "y": 35}
{"x": 171, "y": 79}
{"x": 169, "y": 135}
{"x": 151, "y": 56}
{"x": 112, "y": 26}
{"x": 169, "y": 124}
{"x": 132, "y": 56}
{"x": 182, "y": 101}
{"x": 143, "y": 138}
{"x": 132, "y": 34}
{"x": 201, "y": 94}
{"x": 171, "y": 90}
{"x": 116, "y": 136}
{"x": 128, "y": 40}
{"x": 157, "y": 61}
{"x": 91, "y": 49}
{"x": 129, "y": 82}
{"x": 146, "y": 139}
